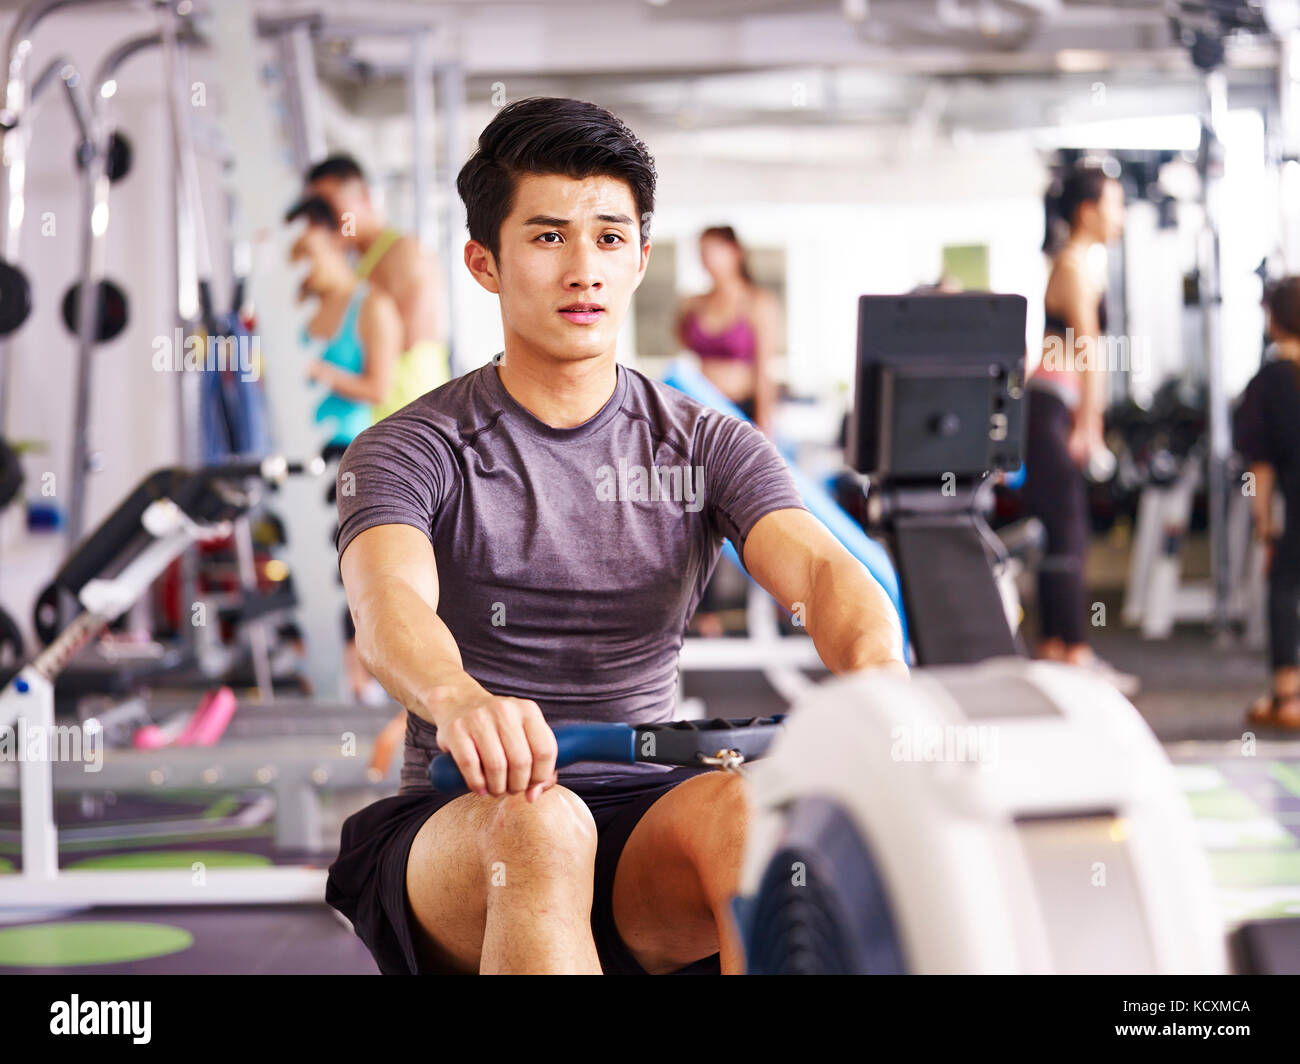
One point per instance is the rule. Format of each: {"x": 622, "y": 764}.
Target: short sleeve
{"x": 395, "y": 472}
{"x": 1249, "y": 426}
{"x": 745, "y": 477}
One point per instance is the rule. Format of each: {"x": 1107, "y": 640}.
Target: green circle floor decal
{"x": 67, "y": 945}
{"x": 173, "y": 859}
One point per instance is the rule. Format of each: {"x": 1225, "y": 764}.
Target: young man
{"x": 523, "y": 547}
{"x": 393, "y": 263}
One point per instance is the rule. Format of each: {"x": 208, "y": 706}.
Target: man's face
{"x": 349, "y": 199}
{"x": 570, "y": 259}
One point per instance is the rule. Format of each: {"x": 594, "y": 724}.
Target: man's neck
{"x": 562, "y": 395}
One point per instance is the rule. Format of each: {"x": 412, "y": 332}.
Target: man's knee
{"x": 557, "y": 831}
{"x": 475, "y": 846}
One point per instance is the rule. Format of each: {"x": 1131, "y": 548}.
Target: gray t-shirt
{"x": 569, "y": 559}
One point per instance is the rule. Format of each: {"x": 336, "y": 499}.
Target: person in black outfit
{"x": 1267, "y": 431}
{"x": 1065, "y": 397}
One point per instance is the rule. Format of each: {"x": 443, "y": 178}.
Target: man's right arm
{"x": 501, "y": 745}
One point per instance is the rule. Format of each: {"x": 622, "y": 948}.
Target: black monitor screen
{"x": 940, "y": 378}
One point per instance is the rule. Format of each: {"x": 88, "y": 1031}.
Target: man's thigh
{"x": 445, "y": 888}
{"x": 677, "y": 872}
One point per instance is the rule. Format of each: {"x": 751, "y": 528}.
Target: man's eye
{"x": 614, "y": 235}
{"x": 544, "y": 235}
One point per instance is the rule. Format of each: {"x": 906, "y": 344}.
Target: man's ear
{"x": 482, "y": 266}
{"x": 645, "y": 261}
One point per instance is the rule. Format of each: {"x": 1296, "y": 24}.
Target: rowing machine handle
{"x": 614, "y": 743}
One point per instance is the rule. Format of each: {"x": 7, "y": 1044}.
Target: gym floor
{"x": 235, "y": 831}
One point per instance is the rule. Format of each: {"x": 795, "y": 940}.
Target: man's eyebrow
{"x": 546, "y": 219}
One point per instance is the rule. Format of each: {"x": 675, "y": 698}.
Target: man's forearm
{"x": 851, "y": 620}
{"x": 407, "y": 648}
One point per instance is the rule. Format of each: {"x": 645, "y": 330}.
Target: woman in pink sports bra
{"x": 733, "y": 328}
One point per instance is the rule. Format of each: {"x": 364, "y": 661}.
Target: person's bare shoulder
{"x": 1067, "y": 278}
{"x": 409, "y": 251}
{"x": 402, "y": 264}
{"x": 378, "y": 308}
{"x": 1070, "y": 270}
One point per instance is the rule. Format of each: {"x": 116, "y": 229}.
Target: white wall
{"x": 1248, "y": 231}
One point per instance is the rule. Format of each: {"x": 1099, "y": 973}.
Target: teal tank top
{"x": 344, "y": 350}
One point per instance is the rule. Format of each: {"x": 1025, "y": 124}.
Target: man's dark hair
{"x": 315, "y": 210}
{"x": 340, "y": 166}
{"x": 1283, "y": 301}
{"x": 550, "y": 135}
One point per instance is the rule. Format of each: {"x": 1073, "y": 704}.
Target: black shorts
{"x": 367, "y": 883}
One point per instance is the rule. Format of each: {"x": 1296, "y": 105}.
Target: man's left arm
{"x": 853, "y": 624}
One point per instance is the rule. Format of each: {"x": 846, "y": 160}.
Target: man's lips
{"x": 582, "y": 313}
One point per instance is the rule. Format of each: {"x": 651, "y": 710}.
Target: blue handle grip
{"x": 614, "y": 743}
